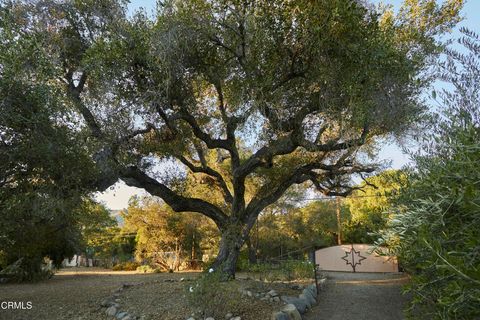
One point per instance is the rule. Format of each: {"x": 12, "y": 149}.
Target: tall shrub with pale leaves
{"x": 436, "y": 229}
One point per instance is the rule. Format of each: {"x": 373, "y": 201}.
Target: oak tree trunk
{"x": 231, "y": 242}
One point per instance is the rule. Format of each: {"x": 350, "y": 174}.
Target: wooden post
{"x": 339, "y": 223}
{"x": 315, "y": 274}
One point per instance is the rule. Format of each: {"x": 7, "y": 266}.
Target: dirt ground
{"x": 71, "y": 293}
{"x": 77, "y": 293}
{"x": 361, "y": 296}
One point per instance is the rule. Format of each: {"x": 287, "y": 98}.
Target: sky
{"x": 117, "y": 196}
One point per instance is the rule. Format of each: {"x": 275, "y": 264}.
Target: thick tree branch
{"x": 334, "y": 190}
{"x": 283, "y": 145}
{"x": 299, "y": 175}
{"x": 219, "y": 43}
{"x": 221, "y": 102}
{"x": 197, "y": 131}
{"x": 292, "y": 74}
{"x": 228, "y": 144}
{"x": 331, "y": 185}
{"x": 264, "y": 155}
{"x": 288, "y": 144}
{"x": 75, "y": 92}
{"x": 259, "y": 203}
{"x": 334, "y": 145}
{"x": 133, "y": 176}
{"x": 205, "y": 137}
{"x": 367, "y": 183}
{"x": 135, "y": 133}
{"x": 208, "y": 170}
{"x": 304, "y": 173}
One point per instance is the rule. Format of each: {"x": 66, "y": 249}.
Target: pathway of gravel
{"x": 361, "y": 296}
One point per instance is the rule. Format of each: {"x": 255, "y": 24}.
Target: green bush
{"x": 435, "y": 231}
{"x": 295, "y": 269}
{"x": 148, "y": 269}
{"x": 126, "y": 266}
{"x": 211, "y": 295}
{"x": 25, "y": 269}
{"x": 287, "y": 270}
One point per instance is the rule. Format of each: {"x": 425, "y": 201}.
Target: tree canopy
{"x": 165, "y": 239}
{"x": 45, "y": 171}
{"x": 369, "y": 205}
{"x": 266, "y": 94}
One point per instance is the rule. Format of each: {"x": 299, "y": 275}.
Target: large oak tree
{"x": 220, "y": 106}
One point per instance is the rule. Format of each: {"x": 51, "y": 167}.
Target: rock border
{"x": 113, "y": 308}
{"x": 297, "y": 306}
{"x": 112, "y": 303}
{"x": 293, "y": 309}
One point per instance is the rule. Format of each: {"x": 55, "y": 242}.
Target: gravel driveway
{"x": 359, "y": 296}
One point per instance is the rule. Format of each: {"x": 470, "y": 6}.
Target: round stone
{"x": 111, "y": 311}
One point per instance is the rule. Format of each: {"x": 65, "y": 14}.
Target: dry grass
{"x": 72, "y": 293}
{"x": 77, "y": 294}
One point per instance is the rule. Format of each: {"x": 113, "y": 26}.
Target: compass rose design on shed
{"x": 353, "y": 258}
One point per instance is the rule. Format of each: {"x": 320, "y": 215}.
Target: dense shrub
{"x": 148, "y": 269}
{"x": 126, "y": 266}
{"x": 436, "y": 234}
{"x": 287, "y": 270}
{"x": 25, "y": 269}
{"x": 211, "y": 295}
{"x": 436, "y": 228}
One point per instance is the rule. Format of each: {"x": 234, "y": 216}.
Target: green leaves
{"x": 45, "y": 169}
{"x": 161, "y": 231}
{"x": 435, "y": 231}
{"x": 82, "y": 81}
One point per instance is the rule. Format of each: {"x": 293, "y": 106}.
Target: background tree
{"x": 119, "y": 247}
{"x": 435, "y": 230}
{"x": 165, "y": 239}
{"x": 296, "y": 233}
{"x": 98, "y": 229}
{"x": 306, "y": 86}
{"x": 44, "y": 181}
{"x": 369, "y": 206}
